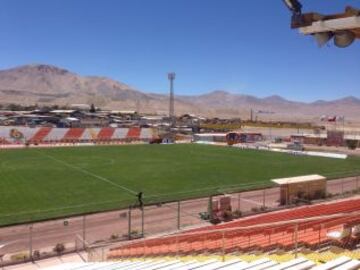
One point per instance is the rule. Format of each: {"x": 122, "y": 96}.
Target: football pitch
{"x": 46, "y": 183}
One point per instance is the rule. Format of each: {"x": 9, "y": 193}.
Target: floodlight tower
{"x": 171, "y": 77}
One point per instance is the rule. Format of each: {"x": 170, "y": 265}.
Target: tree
{"x": 92, "y": 108}
{"x": 352, "y": 144}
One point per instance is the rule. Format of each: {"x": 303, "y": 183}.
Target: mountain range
{"x": 49, "y": 85}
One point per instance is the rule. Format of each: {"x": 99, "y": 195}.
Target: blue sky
{"x": 241, "y": 46}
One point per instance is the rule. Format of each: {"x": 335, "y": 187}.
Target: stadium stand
{"x": 105, "y": 133}
{"x": 147, "y": 133}
{"x": 134, "y": 132}
{"x": 309, "y": 225}
{"x": 344, "y": 263}
{"x": 120, "y": 133}
{"x": 20, "y": 135}
{"x": 40, "y": 134}
{"x": 56, "y": 134}
{"x": 297, "y": 213}
{"x": 90, "y": 134}
{"x": 73, "y": 134}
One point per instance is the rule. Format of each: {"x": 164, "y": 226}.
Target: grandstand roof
{"x": 298, "y": 179}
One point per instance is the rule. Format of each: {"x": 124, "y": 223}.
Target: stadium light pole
{"x": 171, "y": 77}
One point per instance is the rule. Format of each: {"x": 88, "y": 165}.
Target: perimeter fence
{"x": 160, "y": 216}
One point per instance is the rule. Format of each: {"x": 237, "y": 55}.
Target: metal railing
{"x": 36, "y": 240}
{"x": 294, "y": 234}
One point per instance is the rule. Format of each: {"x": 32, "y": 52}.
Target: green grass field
{"x": 45, "y": 183}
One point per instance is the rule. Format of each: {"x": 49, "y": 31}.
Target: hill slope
{"x": 46, "y": 84}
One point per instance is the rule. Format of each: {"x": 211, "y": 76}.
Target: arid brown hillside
{"x": 46, "y": 84}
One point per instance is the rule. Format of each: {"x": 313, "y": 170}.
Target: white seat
{"x": 255, "y": 263}
{"x": 202, "y": 264}
{"x": 185, "y": 265}
{"x": 302, "y": 266}
{"x": 218, "y": 265}
{"x": 333, "y": 264}
{"x": 147, "y": 264}
{"x": 288, "y": 264}
{"x": 210, "y": 266}
{"x": 352, "y": 265}
{"x": 263, "y": 266}
{"x": 238, "y": 265}
{"x": 131, "y": 265}
{"x": 167, "y": 265}
{"x": 161, "y": 265}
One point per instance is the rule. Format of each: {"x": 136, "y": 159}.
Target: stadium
{"x": 270, "y": 208}
{"x": 87, "y": 186}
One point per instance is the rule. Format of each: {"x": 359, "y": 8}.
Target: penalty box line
{"x": 91, "y": 174}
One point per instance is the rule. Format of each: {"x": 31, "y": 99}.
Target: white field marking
{"x": 59, "y": 208}
{"x": 8, "y": 243}
{"x": 91, "y": 174}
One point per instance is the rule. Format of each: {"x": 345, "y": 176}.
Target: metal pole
{"x": 210, "y": 208}
{"x": 178, "y": 216}
{"x": 144, "y": 248}
{"x": 142, "y": 221}
{"x": 342, "y": 186}
{"x": 84, "y": 231}
{"x": 31, "y": 241}
{"x": 129, "y": 223}
{"x": 223, "y": 246}
{"x": 239, "y": 195}
{"x": 296, "y": 240}
{"x": 320, "y": 228}
{"x": 264, "y": 198}
{"x": 177, "y": 246}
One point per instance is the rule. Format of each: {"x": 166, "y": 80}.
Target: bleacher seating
{"x": 105, "y": 134}
{"x": 297, "y": 213}
{"x": 73, "y": 134}
{"x": 343, "y": 263}
{"x": 56, "y": 135}
{"x": 134, "y": 133}
{"x": 120, "y": 133}
{"x": 90, "y": 134}
{"x": 39, "y": 135}
{"x": 146, "y": 133}
{"x": 261, "y": 232}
